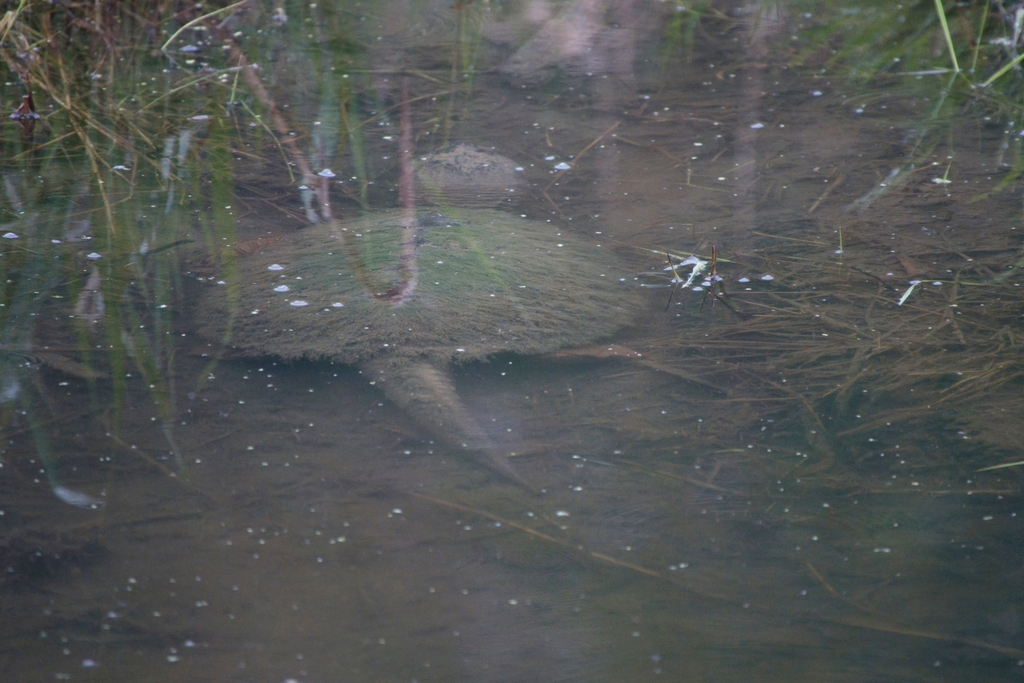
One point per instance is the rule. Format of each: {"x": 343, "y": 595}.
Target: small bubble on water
{"x": 299, "y": 302}
{"x": 757, "y": 126}
{"x": 282, "y": 288}
{"x": 275, "y": 266}
{"x": 562, "y": 166}
{"x": 767, "y": 278}
{"x": 326, "y": 173}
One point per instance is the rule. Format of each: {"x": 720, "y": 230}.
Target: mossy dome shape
{"x": 488, "y": 282}
{"x": 466, "y": 175}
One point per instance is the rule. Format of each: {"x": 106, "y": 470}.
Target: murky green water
{"x": 783, "y": 479}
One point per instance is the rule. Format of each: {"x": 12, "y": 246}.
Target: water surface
{"x": 779, "y": 479}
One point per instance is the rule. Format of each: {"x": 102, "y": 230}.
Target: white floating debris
{"x": 201, "y": 117}
{"x": 93, "y": 256}
{"x": 767, "y": 278}
{"x": 337, "y": 304}
{"x": 275, "y": 266}
{"x": 941, "y": 181}
{"x": 561, "y": 513}
{"x": 520, "y": 169}
{"x": 549, "y": 158}
{"x": 562, "y": 166}
{"x": 816, "y": 93}
{"x": 190, "y": 48}
{"x": 282, "y": 288}
{"x": 299, "y": 302}
{"x": 303, "y": 187}
{"x": 744, "y": 279}
{"x": 859, "y": 110}
{"x": 121, "y": 167}
{"x": 461, "y": 350}
{"x": 757, "y": 126}
{"x": 77, "y": 498}
{"x": 326, "y": 173}
{"x": 937, "y": 283}
{"x": 10, "y": 236}
{"x": 906, "y": 294}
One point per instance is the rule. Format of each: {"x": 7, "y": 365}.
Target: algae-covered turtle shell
{"x": 466, "y": 175}
{"x": 486, "y": 282}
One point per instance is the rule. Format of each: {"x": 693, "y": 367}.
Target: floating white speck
{"x": 549, "y": 158}
{"x": 121, "y": 167}
{"x": 282, "y": 288}
{"x": 937, "y": 283}
{"x": 190, "y": 48}
{"x": 303, "y": 187}
{"x": 326, "y": 173}
{"x": 757, "y": 126}
{"x": 201, "y": 117}
{"x": 337, "y": 304}
{"x": 941, "y": 181}
{"x": 744, "y": 279}
{"x": 10, "y": 236}
{"x": 275, "y": 266}
{"x": 858, "y": 111}
{"x": 299, "y": 302}
{"x": 93, "y": 256}
{"x": 77, "y": 498}
{"x": 88, "y": 663}
{"x": 461, "y": 350}
{"x": 816, "y": 93}
{"x": 562, "y": 166}
{"x": 698, "y": 289}
{"x": 561, "y": 513}
{"x": 767, "y": 278}
{"x": 520, "y": 169}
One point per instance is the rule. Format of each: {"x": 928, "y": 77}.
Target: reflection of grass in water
{"x": 116, "y": 182}
{"x": 144, "y": 176}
